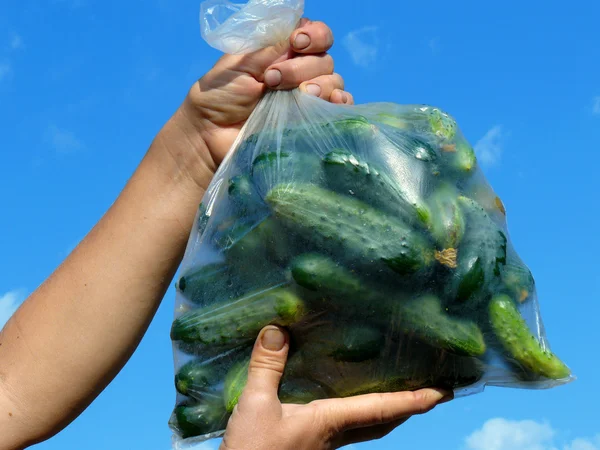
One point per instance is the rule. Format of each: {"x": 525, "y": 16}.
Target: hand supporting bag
{"x": 369, "y": 232}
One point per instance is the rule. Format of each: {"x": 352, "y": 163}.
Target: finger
{"x": 291, "y": 73}
{"x": 312, "y": 37}
{"x": 376, "y": 409}
{"x": 323, "y": 86}
{"x": 267, "y": 362}
{"x": 370, "y": 433}
{"x": 341, "y": 97}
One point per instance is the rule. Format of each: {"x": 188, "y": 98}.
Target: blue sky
{"x": 85, "y": 86}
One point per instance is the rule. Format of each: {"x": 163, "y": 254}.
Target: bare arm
{"x": 72, "y": 336}
{"x": 77, "y": 330}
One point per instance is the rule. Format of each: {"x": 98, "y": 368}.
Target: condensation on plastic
{"x": 238, "y": 29}
{"x": 247, "y": 249}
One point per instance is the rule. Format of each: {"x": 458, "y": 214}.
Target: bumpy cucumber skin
{"x": 198, "y": 420}
{"x": 442, "y": 125}
{"x": 198, "y": 286}
{"x": 359, "y": 232}
{"x": 519, "y": 343}
{"x": 481, "y": 257}
{"x": 348, "y": 174}
{"x": 239, "y": 321}
{"x": 425, "y": 317}
{"x": 422, "y": 317}
{"x": 447, "y": 217}
{"x": 195, "y": 379}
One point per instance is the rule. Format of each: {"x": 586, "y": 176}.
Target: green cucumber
{"x": 349, "y": 174}
{"x": 520, "y": 344}
{"x": 270, "y": 169}
{"x": 352, "y": 343}
{"x": 244, "y": 197}
{"x": 442, "y": 124}
{"x": 356, "y": 231}
{"x": 447, "y": 217}
{"x": 459, "y": 157}
{"x": 209, "y": 283}
{"x": 231, "y": 324}
{"x": 300, "y": 391}
{"x": 422, "y": 316}
{"x": 425, "y": 317}
{"x": 265, "y": 242}
{"x": 203, "y": 218}
{"x": 413, "y": 367}
{"x": 200, "y": 378}
{"x": 292, "y": 389}
{"x": 199, "y": 419}
{"x": 518, "y": 281}
{"x": 481, "y": 256}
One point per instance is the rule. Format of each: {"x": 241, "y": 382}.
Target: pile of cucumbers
{"x": 376, "y": 241}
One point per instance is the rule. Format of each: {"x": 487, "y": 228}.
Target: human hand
{"x": 261, "y": 422}
{"x": 221, "y": 101}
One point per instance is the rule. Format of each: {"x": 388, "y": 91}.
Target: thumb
{"x": 268, "y": 361}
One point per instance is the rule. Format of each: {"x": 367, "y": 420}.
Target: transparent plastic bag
{"x": 372, "y": 235}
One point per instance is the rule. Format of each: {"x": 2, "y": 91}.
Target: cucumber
{"x": 201, "y": 378}
{"x": 518, "y": 281}
{"x": 349, "y": 174}
{"x": 352, "y": 343}
{"x": 265, "y": 242}
{"x": 459, "y": 157}
{"x": 244, "y": 197}
{"x": 422, "y": 317}
{"x": 447, "y": 217}
{"x": 210, "y": 283}
{"x": 426, "y": 319}
{"x": 235, "y": 383}
{"x": 292, "y": 389}
{"x": 203, "y": 218}
{"x": 199, "y": 419}
{"x": 355, "y": 231}
{"x": 300, "y": 391}
{"x": 415, "y": 366}
{"x": 520, "y": 344}
{"x": 231, "y": 324}
{"x": 481, "y": 256}
{"x": 442, "y": 124}
{"x": 270, "y": 169}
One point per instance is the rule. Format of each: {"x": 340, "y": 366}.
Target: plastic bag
{"x": 372, "y": 235}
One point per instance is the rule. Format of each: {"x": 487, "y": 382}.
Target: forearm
{"x": 74, "y": 334}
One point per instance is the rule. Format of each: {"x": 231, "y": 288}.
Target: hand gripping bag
{"x": 369, "y": 232}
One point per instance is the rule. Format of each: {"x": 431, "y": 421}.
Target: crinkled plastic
{"x": 372, "y": 235}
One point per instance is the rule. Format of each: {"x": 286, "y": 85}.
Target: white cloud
{"x": 363, "y": 46}
{"x": 503, "y": 434}
{"x": 596, "y": 105}
{"x": 9, "y": 303}
{"x": 489, "y": 147}
{"x": 64, "y": 141}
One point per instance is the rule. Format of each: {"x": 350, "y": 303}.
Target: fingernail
{"x": 313, "y": 89}
{"x": 273, "y": 339}
{"x": 345, "y": 97}
{"x": 273, "y": 78}
{"x": 302, "y": 41}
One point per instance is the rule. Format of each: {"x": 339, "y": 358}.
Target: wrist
{"x": 181, "y": 154}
